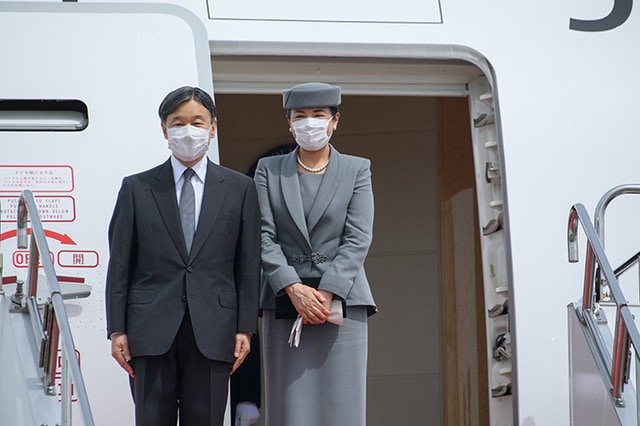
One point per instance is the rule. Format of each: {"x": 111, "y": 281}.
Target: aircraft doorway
{"x": 427, "y": 353}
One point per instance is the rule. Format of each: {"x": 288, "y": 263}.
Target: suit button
{"x": 183, "y": 298}
{"x": 189, "y": 269}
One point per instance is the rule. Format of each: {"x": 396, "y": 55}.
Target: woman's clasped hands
{"x": 314, "y": 306}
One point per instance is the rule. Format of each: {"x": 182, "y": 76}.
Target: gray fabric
{"x": 309, "y": 185}
{"x": 323, "y": 381}
{"x": 188, "y": 208}
{"x": 308, "y": 95}
{"x": 198, "y": 392}
{"x": 340, "y": 226}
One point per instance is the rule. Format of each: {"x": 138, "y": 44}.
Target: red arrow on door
{"x": 62, "y": 238}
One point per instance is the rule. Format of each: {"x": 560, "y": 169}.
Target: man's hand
{"x": 243, "y": 347}
{"x": 120, "y": 351}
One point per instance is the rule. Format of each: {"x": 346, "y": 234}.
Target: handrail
{"x": 609, "y": 196}
{"x": 626, "y": 331}
{"x": 627, "y": 264}
{"x": 56, "y": 322}
{"x": 601, "y": 209}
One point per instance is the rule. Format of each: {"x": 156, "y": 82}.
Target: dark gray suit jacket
{"x": 340, "y": 227}
{"x": 150, "y": 270}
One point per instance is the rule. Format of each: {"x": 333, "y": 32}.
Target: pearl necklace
{"x": 311, "y": 169}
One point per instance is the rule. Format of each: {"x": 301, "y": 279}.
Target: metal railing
{"x": 598, "y": 269}
{"x": 54, "y": 329}
{"x": 604, "y": 202}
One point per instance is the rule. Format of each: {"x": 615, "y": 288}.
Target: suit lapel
{"x": 164, "y": 192}
{"x": 290, "y": 186}
{"x": 327, "y": 190}
{"x": 212, "y": 201}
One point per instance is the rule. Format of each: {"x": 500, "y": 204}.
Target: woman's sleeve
{"x": 356, "y": 239}
{"x": 274, "y": 263}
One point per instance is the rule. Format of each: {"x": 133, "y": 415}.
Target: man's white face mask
{"x": 188, "y": 143}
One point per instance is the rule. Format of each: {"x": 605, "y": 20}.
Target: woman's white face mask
{"x": 311, "y": 133}
{"x": 188, "y": 143}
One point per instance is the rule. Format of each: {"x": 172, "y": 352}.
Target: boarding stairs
{"x": 39, "y": 369}
{"x": 604, "y": 340}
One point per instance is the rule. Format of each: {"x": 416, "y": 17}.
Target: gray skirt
{"x": 323, "y": 381}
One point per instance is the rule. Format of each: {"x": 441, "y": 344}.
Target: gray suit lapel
{"x": 290, "y": 186}
{"x": 327, "y": 190}
{"x": 212, "y": 201}
{"x": 164, "y": 192}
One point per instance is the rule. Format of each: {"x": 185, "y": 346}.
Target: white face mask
{"x": 311, "y": 133}
{"x": 188, "y": 143}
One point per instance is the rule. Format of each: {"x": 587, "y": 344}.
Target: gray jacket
{"x": 333, "y": 244}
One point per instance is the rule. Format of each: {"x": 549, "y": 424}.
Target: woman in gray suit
{"x": 317, "y": 224}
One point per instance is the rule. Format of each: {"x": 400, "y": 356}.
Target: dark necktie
{"x": 188, "y": 208}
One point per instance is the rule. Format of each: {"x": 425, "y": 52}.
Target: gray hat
{"x": 309, "y": 95}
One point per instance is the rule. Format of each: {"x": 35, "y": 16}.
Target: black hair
{"x": 333, "y": 109}
{"x": 173, "y": 100}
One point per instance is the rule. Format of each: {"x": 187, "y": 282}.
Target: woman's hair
{"x": 334, "y": 111}
{"x": 173, "y": 100}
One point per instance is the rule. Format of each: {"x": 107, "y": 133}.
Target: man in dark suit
{"x": 183, "y": 280}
